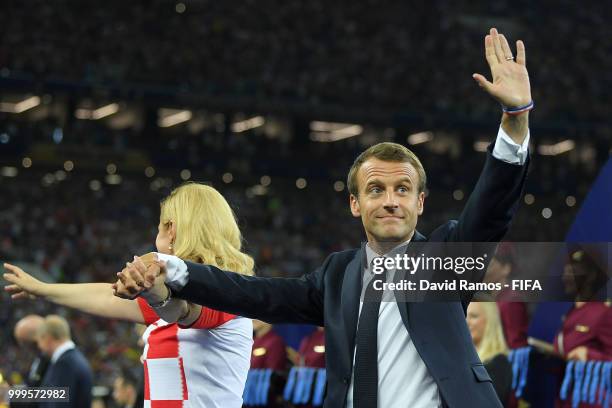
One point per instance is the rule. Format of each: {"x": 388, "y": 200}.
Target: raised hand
{"x": 510, "y": 85}
{"x": 23, "y": 285}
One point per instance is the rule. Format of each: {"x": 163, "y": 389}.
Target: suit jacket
{"x": 330, "y": 297}
{"x": 70, "y": 370}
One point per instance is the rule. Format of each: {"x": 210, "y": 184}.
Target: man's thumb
{"x": 482, "y": 82}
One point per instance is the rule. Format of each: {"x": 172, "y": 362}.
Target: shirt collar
{"x": 371, "y": 254}
{"x": 68, "y": 345}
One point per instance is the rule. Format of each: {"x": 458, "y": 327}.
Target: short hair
{"x": 55, "y": 326}
{"x": 26, "y": 328}
{"x": 128, "y": 378}
{"x": 390, "y": 152}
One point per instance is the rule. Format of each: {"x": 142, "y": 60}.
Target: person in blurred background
{"x": 513, "y": 312}
{"x": 203, "y": 358}
{"x": 68, "y": 367}
{"x": 487, "y": 335}
{"x": 25, "y": 334}
{"x": 126, "y": 389}
{"x": 269, "y": 349}
{"x": 586, "y": 332}
{"x": 270, "y": 352}
{"x": 312, "y": 349}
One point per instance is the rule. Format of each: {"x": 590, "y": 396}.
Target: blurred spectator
{"x": 312, "y": 349}
{"x": 269, "y": 349}
{"x": 68, "y": 367}
{"x": 485, "y": 327}
{"x": 586, "y": 333}
{"x": 126, "y": 390}
{"x": 512, "y": 311}
{"x": 270, "y": 352}
{"x": 25, "y": 334}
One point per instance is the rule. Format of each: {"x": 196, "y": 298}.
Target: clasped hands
{"x": 145, "y": 277}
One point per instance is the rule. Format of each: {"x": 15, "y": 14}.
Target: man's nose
{"x": 390, "y": 200}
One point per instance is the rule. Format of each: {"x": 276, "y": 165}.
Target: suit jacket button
{"x": 345, "y": 380}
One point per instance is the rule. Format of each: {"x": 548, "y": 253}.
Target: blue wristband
{"x": 518, "y": 109}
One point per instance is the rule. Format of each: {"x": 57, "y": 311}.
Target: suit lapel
{"x": 403, "y": 306}
{"x": 350, "y": 297}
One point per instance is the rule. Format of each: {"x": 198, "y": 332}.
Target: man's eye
{"x": 403, "y": 189}
{"x": 375, "y": 190}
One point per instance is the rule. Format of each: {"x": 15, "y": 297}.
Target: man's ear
{"x": 421, "y": 202}
{"x": 355, "y": 210}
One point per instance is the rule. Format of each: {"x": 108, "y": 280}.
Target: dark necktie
{"x": 365, "y": 386}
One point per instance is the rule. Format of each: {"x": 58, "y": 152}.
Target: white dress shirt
{"x": 403, "y": 378}
{"x": 68, "y": 345}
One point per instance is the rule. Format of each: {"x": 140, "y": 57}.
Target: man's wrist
{"x": 156, "y": 295}
{"x": 516, "y": 126}
{"x": 176, "y": 271}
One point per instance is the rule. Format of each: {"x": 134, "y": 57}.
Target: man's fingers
{"x": 139, "y": 265}
{"x": 520, "y": 53}
{"x": 490, "y": 51}
{"x": 506, "y": 48}
{"x": 483, "y": 82}
{"x": 499, "y": 52}
{"x": 135, "y": 275}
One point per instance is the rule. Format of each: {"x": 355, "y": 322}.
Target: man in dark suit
{"x": 68, "y": 367}
{"x": 386, "y": 354}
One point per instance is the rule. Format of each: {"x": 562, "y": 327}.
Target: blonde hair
{"x": 493, "y": 341}
{"x": 56, "y": 327}
{"x": 206, "y": 228}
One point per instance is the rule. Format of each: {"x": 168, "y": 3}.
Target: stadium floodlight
{"x": 20, "y": 107}
{"x": 332, "y": 131}
{"x": 173, "y": 117}
{"x": 96, "y": 114}
{"x": 248, "y": 124}
{"x": 556, "y": 148}
{"x": 420, "y": 137}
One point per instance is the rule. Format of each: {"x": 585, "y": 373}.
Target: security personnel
{"x": 269, "y": 349}
{"x": 586, "y": 333}
{"x": 312, "y": 349}
{"x": 270, "y": 352}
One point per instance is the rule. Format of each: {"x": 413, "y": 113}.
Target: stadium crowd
{"x": 367, "y": 54}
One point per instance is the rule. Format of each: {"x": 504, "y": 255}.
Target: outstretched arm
{"x": 93, "y": 298}
{"x": 274, "y": 300}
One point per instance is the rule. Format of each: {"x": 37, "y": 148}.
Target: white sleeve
{"x": 177, "y": 273}
{"x": 507, "y": 150}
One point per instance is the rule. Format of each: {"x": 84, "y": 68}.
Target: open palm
{"x": 23, "y": 285}
{"x": 510, "y": 85}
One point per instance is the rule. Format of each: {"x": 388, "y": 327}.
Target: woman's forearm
{"x": 93, "y": 298}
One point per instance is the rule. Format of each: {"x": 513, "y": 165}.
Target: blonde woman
{"x": 488, "y": 337}
{"x": 203, "y": 359}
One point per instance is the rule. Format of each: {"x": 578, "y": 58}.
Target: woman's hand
{"x": 23, "y": 285}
